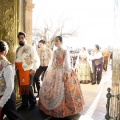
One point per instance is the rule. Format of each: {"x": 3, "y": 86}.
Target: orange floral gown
{"x": 60, "y": 94}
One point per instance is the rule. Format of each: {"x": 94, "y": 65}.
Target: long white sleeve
{"x": 35, "y": 58}
{"x": 9, "y": 79}
{"x": 97, "y": 56}
{"x": 67, "y": 65}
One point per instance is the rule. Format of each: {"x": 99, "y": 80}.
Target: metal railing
{"x": 110, "y": 96}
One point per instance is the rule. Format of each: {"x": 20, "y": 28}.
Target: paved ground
{"x": 95, "y": 98}
{"x": 95, "y": 102}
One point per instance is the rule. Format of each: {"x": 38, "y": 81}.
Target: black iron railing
{"x": 109, "y": 97}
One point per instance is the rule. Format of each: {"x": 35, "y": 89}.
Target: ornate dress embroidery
{"x": 26, "y": 58}
{"x": 83, "y": 68}
{"x": 2, "y": 83}
{"x": 60, "y": 94}
{"x": 3, "y": 63}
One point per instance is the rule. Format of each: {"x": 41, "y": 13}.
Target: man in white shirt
{"x": 27, "y": 61}
{"x": 7, "y": 94}
{"x": 96, "y": 65}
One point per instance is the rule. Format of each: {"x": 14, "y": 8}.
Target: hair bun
{"x": 3, "y": 46}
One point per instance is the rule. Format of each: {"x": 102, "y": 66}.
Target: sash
{"x": 24, "y": 76}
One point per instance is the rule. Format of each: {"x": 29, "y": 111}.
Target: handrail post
{"x": 109, "y": 95}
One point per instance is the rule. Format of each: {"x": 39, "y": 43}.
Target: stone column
{"x": 28, "y": 19}
{"x": 115, "y": 101}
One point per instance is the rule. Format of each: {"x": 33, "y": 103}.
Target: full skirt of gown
{"x": 84, "y": 72}
{"x": 60, "y": 94}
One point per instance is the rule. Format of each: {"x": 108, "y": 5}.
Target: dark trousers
{"x": 10, "y": 109}
{"x": 97, "y": 73}
{"x": 39, "y": 71}
{"x": 28, "y": 97}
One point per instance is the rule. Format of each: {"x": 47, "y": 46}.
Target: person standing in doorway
{"x": 45, "y": 57}
{"x": 27, "y": 62}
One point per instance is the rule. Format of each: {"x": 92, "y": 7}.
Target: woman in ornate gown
{"x": 60, "y": 94}
{"x": 83, "y": 67}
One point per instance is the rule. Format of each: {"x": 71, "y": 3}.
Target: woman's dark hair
{"x": 84, "y": 48}
{"x": 42, "y": 41}
{"x": 60, "y": 38}
{"x": 3, "y": 46}
{"x": 21, "y": 33}
{"x": 97, "y": 46}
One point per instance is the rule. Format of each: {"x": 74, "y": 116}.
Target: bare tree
{"x": 49, "y": 31}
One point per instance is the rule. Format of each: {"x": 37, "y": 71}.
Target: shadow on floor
{"x": 37, "y": 114}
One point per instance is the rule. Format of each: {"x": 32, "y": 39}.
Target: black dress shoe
{"x": 21, "y": 108}
{"x": 98, "y": 82}
{"x": 93, "y": 83}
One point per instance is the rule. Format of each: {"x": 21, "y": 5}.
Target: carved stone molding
{"x": 9, "y": 24}
{"x": 28, "y": 19}
{"x": 9, "y": 27}
{"x": 29, "y": 5}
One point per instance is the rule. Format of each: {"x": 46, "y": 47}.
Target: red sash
{"x": 24, "y": 76}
